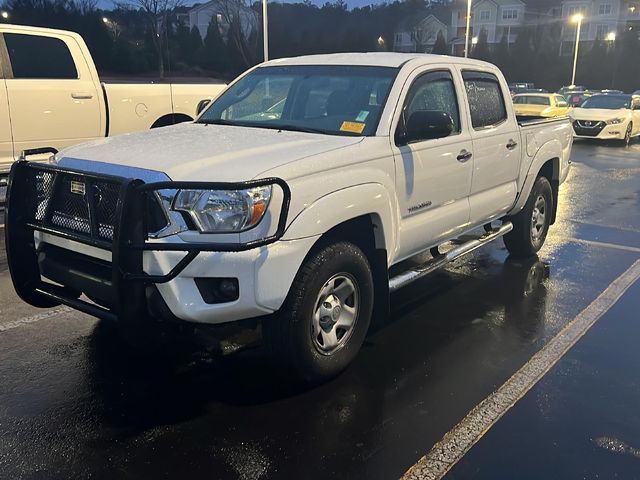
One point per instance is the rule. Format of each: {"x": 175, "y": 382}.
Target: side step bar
{"x": 440, "y": 261}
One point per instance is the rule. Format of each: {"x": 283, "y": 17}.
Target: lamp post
{"x": 577, "y": 18}
{"x": 265, "y": 30}
{"x": 466, "y": 35}
{"x": 4, "y": 14}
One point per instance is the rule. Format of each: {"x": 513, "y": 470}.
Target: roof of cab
{"x": 374, "y": 59}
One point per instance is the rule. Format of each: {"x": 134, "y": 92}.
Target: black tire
{"x": 289, "y": 334}
{"x": 627, "y": 135}
{"x": 521, "y": 241}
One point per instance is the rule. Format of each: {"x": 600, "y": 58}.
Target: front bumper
{"x": 599, "y": 130}
{"x": 122, "y": 275}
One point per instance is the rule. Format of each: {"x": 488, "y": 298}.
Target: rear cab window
{"x": 485, "y": 98}
{"x": 39, "y": 57}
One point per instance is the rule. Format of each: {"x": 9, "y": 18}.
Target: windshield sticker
{"x": 362, "y": 116}
{"x": 354, "y": 127}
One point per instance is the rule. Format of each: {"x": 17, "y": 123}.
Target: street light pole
{"x": 265, "y": 30}
{"x": 466, "y": 35}
{"x": 578, "y": 19}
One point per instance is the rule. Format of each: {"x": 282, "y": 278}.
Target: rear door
{"x": 53, "y": 98}
{"x": 496, "y": 146}
{"x": 433, "y": 177}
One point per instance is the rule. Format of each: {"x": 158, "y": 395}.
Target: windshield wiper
{"x": 296, "y": 128}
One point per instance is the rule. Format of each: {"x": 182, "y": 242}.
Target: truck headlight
{"x": 614, "y": 121}
{"x": 226, "y": 211}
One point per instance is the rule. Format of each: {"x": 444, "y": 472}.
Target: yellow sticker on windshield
{"x": 354, "y": 127}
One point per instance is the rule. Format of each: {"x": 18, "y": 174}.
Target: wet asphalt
{"x": 76, "y": 403}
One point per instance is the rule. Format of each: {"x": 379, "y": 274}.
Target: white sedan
{"x": 607, "y": 117}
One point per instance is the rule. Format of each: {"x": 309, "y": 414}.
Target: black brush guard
{"x": 127, "y": 240}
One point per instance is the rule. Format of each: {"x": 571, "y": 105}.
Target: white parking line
{"x": 595, "y": 243}
{"x": 444, "y": 454}
{"x": 33, "y": 318}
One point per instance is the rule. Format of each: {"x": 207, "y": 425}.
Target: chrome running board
{"x": 440, "y": 261}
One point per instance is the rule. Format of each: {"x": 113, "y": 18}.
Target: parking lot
{"x": 75, "y": 403}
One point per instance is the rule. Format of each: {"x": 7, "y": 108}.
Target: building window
{"x": 604, "y": 9}
{"x": 602, "y": 29}
{"x": 509, "y": 14}
{"x": 575, "y": 10}
{"x": 485, "y": 15}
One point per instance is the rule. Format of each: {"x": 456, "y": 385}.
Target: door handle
{"x": 511, "y": 145}
{"x": 81, "y": 96}
{"x": 464, "y": 156}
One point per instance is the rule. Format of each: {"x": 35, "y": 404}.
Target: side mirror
{"x": 426, "y": 125}
{"x": 202, "y": 104}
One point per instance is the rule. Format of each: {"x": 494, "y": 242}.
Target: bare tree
{"x": 86, "y": 6}
{"x": 157, "y": 15}
{"x": 238, "y": 22}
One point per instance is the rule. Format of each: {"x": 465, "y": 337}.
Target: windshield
{"x": 337, "y": 100}
{"x": 531, "y": 100}
{"x": 610, "y": 102}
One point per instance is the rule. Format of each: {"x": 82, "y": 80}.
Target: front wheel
{"x": 324, "y": 320}
{"x": 531, "y": 224}
{"x": 627, "y": 134}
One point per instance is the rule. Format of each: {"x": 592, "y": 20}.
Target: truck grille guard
{"x": 107, "y": 212}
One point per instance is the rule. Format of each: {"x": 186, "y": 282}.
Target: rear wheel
{"x": 531, "y": 224}
{"x": 324, "y": 320}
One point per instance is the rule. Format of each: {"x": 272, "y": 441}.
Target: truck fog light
{"x": 218, "y": 290}
{"x": 228, "y": 288}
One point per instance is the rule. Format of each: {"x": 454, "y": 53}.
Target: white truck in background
{"x": 51, "y": 96}
{"x": 293, "y": 198}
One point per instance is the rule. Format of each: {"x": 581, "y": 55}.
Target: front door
{"x": 433, "y": 177}
{"x": 52, "y": 97}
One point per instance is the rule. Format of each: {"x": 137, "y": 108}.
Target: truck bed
{"x": 529, "y": 120}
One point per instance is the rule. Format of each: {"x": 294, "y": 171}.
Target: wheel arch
{"x": 365, "y": 231}
{"x": 362, "y": 214}
{"x": 546, "y": 163}
{"x": 171, "y": 119}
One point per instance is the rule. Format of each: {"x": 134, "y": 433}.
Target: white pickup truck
{"x": 289, "y": 200}
{"x": 51, "y": 96}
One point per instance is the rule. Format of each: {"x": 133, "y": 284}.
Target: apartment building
{"x": 602, "y": 20}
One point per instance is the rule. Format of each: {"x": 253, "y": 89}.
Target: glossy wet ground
{"x": 74, "y": 403}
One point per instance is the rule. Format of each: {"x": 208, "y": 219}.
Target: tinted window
{"x": 433, "y": 91}
{"x": 39, "y": 57}
{"x": 486, "y": 102}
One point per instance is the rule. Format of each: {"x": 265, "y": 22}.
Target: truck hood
{"x": 598, "y": 114}
{"x": 192, "y": 151}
